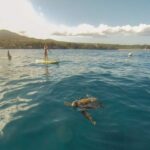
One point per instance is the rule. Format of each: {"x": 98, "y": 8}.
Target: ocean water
{"x": 32, "y": 96}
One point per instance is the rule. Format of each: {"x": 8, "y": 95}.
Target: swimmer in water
{"x": 85, "y": 104}
{"x": 8, "y": 55}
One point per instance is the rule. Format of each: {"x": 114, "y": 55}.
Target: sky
{"x": 94, "y": 21}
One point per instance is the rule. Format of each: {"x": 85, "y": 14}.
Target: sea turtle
{"x": 85, "y": 104}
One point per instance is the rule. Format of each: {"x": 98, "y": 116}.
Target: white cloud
{"x": 103, "y": 30}
{"x": 20, "y": 16}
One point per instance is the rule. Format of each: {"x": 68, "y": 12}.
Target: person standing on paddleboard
{"x": 45, "y": 52}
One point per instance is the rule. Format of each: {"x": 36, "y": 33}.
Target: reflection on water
{"x": 46, "y": 70}
{"x": 14, "y": 106}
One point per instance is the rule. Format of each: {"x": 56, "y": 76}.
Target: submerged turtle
{"x": 85, "y": 104}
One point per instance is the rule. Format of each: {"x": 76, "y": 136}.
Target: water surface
{"x": 32, "y": 96}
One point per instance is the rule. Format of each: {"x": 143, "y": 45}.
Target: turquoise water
{"x": 32, "y": 96}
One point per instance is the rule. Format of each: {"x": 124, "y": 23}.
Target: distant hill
{"x": 5, "y": 34}
{"x": 13, "y": 40}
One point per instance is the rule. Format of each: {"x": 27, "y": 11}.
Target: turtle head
{"x": 74, "y": 104}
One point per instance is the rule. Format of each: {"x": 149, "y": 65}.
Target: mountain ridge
{"x": 12, "y": 40}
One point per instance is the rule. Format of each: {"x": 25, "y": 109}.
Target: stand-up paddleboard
{"x": 42, "y": 61}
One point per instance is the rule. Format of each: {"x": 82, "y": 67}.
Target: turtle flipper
{"x": 88, "y": 116}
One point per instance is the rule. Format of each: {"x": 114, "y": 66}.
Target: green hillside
{"x": 12, "y": 40}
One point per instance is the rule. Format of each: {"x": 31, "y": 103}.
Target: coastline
{"x": 11, "y": 40}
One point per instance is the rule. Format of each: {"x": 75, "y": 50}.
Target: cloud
{"x": 21, "y": 17}
{"x": 102, "y": 30}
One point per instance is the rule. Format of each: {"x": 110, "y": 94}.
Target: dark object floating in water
{"x": 85, "y": 104}
{"x": 8, "y": 55}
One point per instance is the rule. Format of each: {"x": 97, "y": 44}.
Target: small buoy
{"x": 130, "y": 54}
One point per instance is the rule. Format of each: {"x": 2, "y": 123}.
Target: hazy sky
{"x": 95, "y": 12}
{"x": 102, "y": 21}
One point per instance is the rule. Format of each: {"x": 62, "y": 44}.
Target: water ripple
{"x": 32, "y": 96}
{"x": 14, "y": 106}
